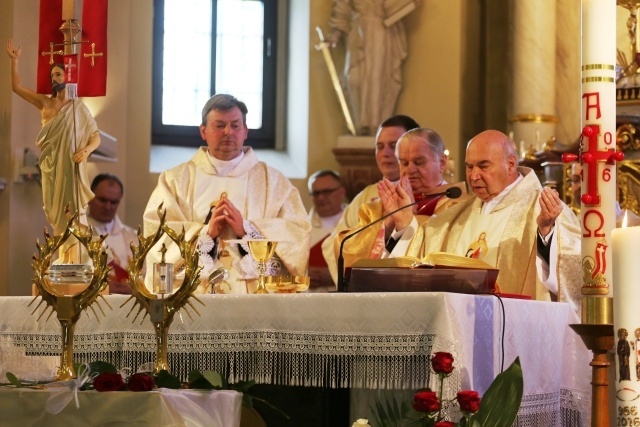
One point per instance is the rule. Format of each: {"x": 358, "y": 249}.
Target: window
{"x": 204, "y": 47}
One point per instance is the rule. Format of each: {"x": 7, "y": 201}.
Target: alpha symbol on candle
{"x": 595, "y": 105}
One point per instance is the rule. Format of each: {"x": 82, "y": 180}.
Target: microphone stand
{"x": 343, "y": 285}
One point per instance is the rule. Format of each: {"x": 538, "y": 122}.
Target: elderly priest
{"x": 227, "y": 196}
{"x": 526, "y": 231}
{"x": 422, "y": 160}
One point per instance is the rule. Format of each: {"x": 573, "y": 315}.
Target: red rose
{"x": 108, "y": 381}
{"x": 442, "y": 363}
{"x": 444, "y": 424}
{"x": 469, "y": 400}
{"x": 425, "y": 401}
{"x": 140, "y": 382}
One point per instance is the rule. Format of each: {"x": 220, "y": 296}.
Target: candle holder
{"x": 598, "y": 339}
{"x": 68, "y": 308}
{"x": 163, "y": 304}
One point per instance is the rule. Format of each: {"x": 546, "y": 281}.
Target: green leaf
{"x": 101, "y": 367}
{"x": 500, "y": 404}
{"x": 166, "y": 380}
{"x": 242, "y": 386}
{"x": 387, "y": 412}
{"x": 14, "y": 380}
{"x": 207, "y": 380}
{"x": 214, "y": 378}
{"x": 194, "y": 375}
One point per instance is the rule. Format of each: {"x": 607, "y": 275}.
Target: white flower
{"x": 361, "y": 422}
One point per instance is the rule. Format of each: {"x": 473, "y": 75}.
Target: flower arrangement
{"x": 497, "y": 408}
{"x": 104, "y": 377}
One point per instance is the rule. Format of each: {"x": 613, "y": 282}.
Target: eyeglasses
{"x": 324, "y": 192}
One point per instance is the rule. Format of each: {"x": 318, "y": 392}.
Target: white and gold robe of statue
{"x": 369, "y": 243}
{"x": 521, "y": 270}
{"x": 64, "y": 182}
{"x": 58, "y": 139}
{"x": 270, "y": 206}
{"x": 350, "y": 219}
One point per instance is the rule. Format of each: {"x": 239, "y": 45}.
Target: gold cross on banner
{"x": 93, "y": 54}
{"x": 51, "y": 53}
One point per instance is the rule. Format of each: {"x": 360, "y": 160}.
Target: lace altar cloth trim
{"x": 566, "y": 408}
{"x": 284, "y": 358}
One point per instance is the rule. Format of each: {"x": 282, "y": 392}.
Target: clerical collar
{"x": 103, "y": 227}
{"x": 330, "y": 221}
{"x": 224, "y": 167}
{"x": 488, "y": 207}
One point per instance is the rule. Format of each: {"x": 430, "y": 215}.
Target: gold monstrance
{"x": 69, "y": 307}
{"x": 163, "y": 303}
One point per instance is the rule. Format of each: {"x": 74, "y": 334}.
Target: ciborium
{"x": 162, "y": 304}
{"x": 262, "y": 250}
{"x": 68, "y": 308}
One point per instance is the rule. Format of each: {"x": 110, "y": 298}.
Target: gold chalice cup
{"x": 262, "y": 251}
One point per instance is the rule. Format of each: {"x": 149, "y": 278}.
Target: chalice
{"x": 262, "y": 251}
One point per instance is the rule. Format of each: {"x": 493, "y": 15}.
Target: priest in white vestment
{"x": 224, "y": 193}
{"x": 526, "y": 231}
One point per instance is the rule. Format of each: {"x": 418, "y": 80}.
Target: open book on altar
{"x": 437, "y": 272}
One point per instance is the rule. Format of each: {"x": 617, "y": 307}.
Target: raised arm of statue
{"x": 27, "y": 94}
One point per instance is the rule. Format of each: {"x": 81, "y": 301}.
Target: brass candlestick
{"x": 262, "y": 251}
{"x": 161, "y": 308}
{"x": 69, "y": 307}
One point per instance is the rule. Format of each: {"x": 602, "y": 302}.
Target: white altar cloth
{"x": 369, "y": 340}
{"x": 167, "y": 408}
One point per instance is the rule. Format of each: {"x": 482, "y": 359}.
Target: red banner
{"x": 93, "y": 53}
{"x": 91, "y": 70}
{"x": 50, "y": 21}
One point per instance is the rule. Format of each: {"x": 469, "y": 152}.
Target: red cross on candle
{"x": 591, "y": 157}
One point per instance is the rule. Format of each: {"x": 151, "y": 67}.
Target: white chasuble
{"x": 270, "y": 205}
{"x": 481, "y": 235}
{"x": 516, "y": 251}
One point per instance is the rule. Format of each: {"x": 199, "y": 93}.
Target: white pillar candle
{"x": 598, "y": 177}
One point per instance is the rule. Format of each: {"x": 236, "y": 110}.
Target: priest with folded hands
{"x": 227, "y": 196}
{"x": 422, "y": 161}
{"x": 512, "y": 223}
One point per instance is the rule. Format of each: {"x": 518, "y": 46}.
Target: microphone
{"x": 451, "y": 193}
{"x": 216, "y": 276}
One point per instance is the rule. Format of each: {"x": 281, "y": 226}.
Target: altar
{"x": 360, "y": 341}
{"x": 167, "y": 408}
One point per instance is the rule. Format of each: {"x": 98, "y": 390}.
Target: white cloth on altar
{"x": 161, "y": 407}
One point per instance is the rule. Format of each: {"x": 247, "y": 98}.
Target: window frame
{"x": 189, "y": 136}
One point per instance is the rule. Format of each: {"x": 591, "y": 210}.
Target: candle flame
{"x": 624, "y": 219}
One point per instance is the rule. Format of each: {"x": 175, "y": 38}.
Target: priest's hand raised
{"x": 394, "y": 197}
{"x": 225, "y": 214}
{"x": 550, "y": 209}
